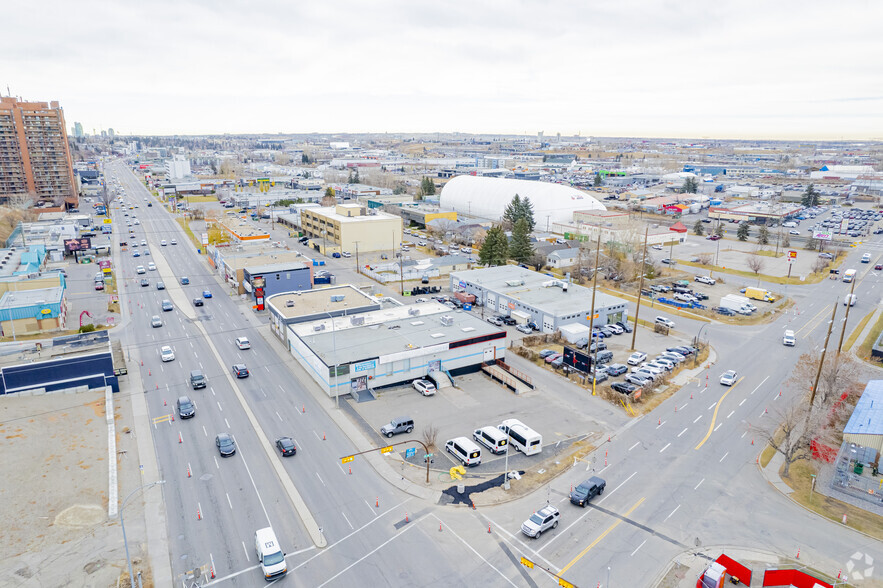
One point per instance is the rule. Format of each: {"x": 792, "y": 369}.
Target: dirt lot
{"x": 55, "y": 530}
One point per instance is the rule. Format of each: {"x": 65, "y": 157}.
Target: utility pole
{"x": 358, "y": 267}
{"x": 815, "y": 385}
{"x": 846, "y": 318}
{"x": 640, "y": 286}
{"x": 592, "y": 311}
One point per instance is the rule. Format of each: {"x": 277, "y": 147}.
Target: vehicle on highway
{"x": 136, "y": 253}
{"x": 542, "y": 520}
{"x": 173, "y": 242}
{"x": 878, "y": 267}
{"x": 166, "y": 353}
{"x": 584, "y": 492}
{"x": 397, "y": 425}
{"x": 661, "y": 320}
{"x": 788, "y": 339}
{"x": 160, "y": 286}
{"x": 151, "y": 266}
{"x": 185, "y": 407}
{"x": 241, "y": 342}
{"x": 729, "y": 378}
{"x": 226, "y": 445}
{"x": 163, "y": 243}
{"x": 636, "y": 358}
{"x": 155, "y": 321}
{"x": 425, "y": 387}
{"x": 206, "y": 294}
{"x": 197, "y": 380}
{"x": 99, "y": 285}
{"x": 145, "y": 282}
{"x": 270, "y": 555}
{"x": 185, "y": 280}
{"x": 240, "y": 371}
{"x": 140, "y": 270}
{"x": 198, "y": 302}
{"x": 713, "y": 237}
{"x": 286, "y": 446}
{"x": 167, "y": 305}
{"x": 143, "y": 243}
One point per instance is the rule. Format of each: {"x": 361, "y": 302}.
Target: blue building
{"x": 262, "y": 281}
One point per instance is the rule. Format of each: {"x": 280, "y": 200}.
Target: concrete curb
{"x": 700, "y": 553}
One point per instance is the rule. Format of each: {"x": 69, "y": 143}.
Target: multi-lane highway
{"x": 683, "y": 477}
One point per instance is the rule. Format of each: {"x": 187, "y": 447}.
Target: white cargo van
{"x": 850, "y": 300}
{"x": 866, "y": 258}
{"x": 467, "y": 452}
{"x": 269, "y": 554}
{"x": 492, "y": 438}
{"x": 788, "y": 339}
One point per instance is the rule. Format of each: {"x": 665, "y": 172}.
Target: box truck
{"x": 760, "y": 294}
{"x": 736, "y": 303}
{"x": 270, "y": 555}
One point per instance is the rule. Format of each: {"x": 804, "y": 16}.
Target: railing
{"x": 520, "y": 375}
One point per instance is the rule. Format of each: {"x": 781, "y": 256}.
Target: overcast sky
{"x": 693, "y": 68}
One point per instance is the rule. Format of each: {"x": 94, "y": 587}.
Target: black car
{"x": 160, "y": 286}
{"x": 582, "y": 494}
{"x": 624, "y": 326}
{"x": 186, "y": 408}
{"x": 198, "y": 302}
{"x": 724, "y": 311}
{"x": 623, "y": 387}
{"x": 616, "y": 369}
{"x": 226, "y": 444}
{"x": 240, "y": 371}
{"x": 700, "y": 296}
{"x": 286, "y": 446}
{"x": 682, "y": 349}
{"x": 599, "y": 345}
{"x": 145, "y": 282}
{"x": 508, "y": 320}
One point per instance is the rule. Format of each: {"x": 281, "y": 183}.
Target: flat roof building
{"x": 289, "y": 308}
{"x": 865, "y": 426}
{"x": 530, "y": 296}
{"x": 393, "y": 346}
{"x": 351, "y": 227}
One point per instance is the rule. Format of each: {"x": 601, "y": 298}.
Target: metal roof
{"x": 867, "y": 418}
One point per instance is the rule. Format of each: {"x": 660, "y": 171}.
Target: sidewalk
{"x": 684, "y": 570}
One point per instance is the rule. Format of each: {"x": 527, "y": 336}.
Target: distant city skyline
{"x": 724, "y": 70}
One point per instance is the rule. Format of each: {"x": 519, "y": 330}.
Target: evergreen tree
{"x": 690, "y": 186}
{"x": 521, "y": 249}
{"x": 742, "y": 233}
{"x": 597, "y": 180}
{"x": 763, "y": 235}
{"x": 719, "y": 230}
{"x": 698, "y": 229}
{"x": 810, "y": 197}
{"x": 495, "y": 249}
{"x": 526, "y": 210}
{"x": 349, "y": 180}
{"x": 356, "y": 179}
{"x": 513, "y": 211}
{"x": 428, "y": 186}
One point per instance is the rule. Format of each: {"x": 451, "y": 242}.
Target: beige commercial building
{"x": 351, "y": 227}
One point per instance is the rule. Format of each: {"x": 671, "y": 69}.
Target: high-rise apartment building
{"x": 34, "y": 155}
{"x": 78, "y": 130}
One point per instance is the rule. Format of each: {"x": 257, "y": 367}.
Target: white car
{"x": 684, "y": 297}
{"x": 163, "y": 243}
{"x": 140, "y": 270}
{"x": 243, "y": 343}
{"x": 706, "y": 280}
{"x": 346, "y": 254}
{"x": 173, "y": 242}
{"x": 421, "y": 243}
{"x": 793, "y": 232}
{"x": 636, "y": 358}
{"x": 665, "y": 367}
{"x": 151, "y": 266}
{"x": 524, "y": 329}
{"x": 425, "y": 387}
{"x": 657, "y": 247}
{"x": 729, "y": 378}
{"x": 143, "y": 243}
{"x": 166, "y": 353}
{"x": 661, "y": 320}
{"x": 667, "y": 363}
{"x": 137, "y": 222}
{"x": 615, "y": 328}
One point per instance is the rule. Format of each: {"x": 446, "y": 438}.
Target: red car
{"x": 553, "y": 357}
{"x": 713, "y": 237}
{"x": 878, "y": 267}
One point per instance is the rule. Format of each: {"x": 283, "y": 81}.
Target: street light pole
{"x": 123, "y": 525}
{"x": 336, "y": 364}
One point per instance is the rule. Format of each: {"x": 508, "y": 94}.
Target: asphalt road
{"x": 675, "y": 480}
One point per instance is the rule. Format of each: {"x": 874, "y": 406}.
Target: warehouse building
{"x": 865, "y": 426}
{"x": 351, "y": 227}
{"x": 529, "y": 296}
{"x": 393, "y": 346}
{"x": 290, "y": 308}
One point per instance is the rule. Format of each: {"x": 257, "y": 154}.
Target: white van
{"x": 269, "y": 554}
{"x": 866, "y": 258}
{"x": 850, "y": 300}
{"x": 492, "y": 438}
{"x": 467, "y": 452}
{"x": 522, "y": 437}
{"x": 788, "y": 339}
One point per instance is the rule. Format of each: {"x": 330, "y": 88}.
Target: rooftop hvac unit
{"x": 514, "y": 283}
{"x": 319, "y": 327}
{"x": 337, "y": 297}
{"x": 413, "y": 311}
{"x": 357, "y": 320}
{"x": 447, "y": 320}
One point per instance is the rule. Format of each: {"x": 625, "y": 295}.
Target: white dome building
{"x": 488, "y": 197}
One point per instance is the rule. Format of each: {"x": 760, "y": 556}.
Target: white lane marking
{"x": 759, "y": 385}
{"x": 685, "y": 406}
{"x": 264, "y": 393}
{"x": 639, "y": 547}
{"x": 635, "y": 445}
{"x": 724, "y": 457}
{"x": 227, "y": 422}
{"x": 255, "y": 486}
{"x": 743, "y": 401}
{"x": 200, "y": 366}
{"x": 317, "y": 435}
{"x": 199, "y": 509}
{"x": 321, "y": 480}
{"x": 376, "y": 549}
{"x": 671, "y": 513}
{"x": 371, "y": 508}
{"x": 682, "y": 432}
{"x": 604, "y": 468}
{"x": 213, "y": 392}
{"x": 763, "y": 413}
{"x": 699, "y": 484}
{"x": 217, "y": 465}
{"x": 297, "y": 445}
{"x": 204, "y": 431}
{"x": 347, "y": 520}
{"x": 341, "y": 469}
{"x": 228, "y": 501}
{"x": 696, "y": 419}
{"x": 281, "y": 388}
{"x": 712, "y": 405}
{"x": 661, "y": 423}
{"x": 219, "y": 406}
{"x": 245, "y": 550}
{"x": 718, "y": 426}
{"x": 278, "y": 415}
{"x": 743, "y": 434}
{"x": 268, "y": 369}
{"x": 731, "y": 413}
{"x": 664, "y": 448}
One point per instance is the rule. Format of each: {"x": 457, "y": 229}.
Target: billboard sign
{"x": 822, "y": 235}
{"x": 576, "y": 359}
{"x": 81, "y": 244}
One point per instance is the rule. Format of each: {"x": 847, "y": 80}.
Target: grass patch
{"x": 864, "y": 350}
{"x": 200, "y": 199}
{"x": 186, "y": 226}
{"x": 857, "y": 331}
{"x": 768, "y": 253}
{"x": 800, "y": 481}
{"x": 766, "y": 456}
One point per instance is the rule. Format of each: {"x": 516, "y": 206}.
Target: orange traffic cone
{"x": 377, "y": 502}
{"x": 180, "y": 440}
{"x": 323, "y": 436}
{"x": 198, "y": 514}
{"x": 188, "y": 471}
{"x": 488, "y": 528}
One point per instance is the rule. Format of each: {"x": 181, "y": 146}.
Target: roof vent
{"x": 414, "y": 312}
{"x": 319, "y": 327}
{"x": 447, "y": 320}
{"x": 357, "y": 320}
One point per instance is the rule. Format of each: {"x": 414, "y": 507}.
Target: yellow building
{"x": 351, "y": 227}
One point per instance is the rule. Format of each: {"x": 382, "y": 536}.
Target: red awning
{"x": 678, "y": 227}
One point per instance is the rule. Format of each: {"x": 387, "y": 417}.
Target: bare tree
{"x": 20, "y": 201}
{"x": 840, "y": 373}
{"x": 820, "y": 264}
{"x": 430, "y": 435}
{"x": 792, "y": 436}
{"x": 705, "y": 258}
{"x": 755, "y": 262}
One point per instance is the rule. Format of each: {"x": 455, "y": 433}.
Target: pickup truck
{"x": 582, "y": 494}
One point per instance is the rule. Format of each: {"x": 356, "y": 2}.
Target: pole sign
{"x": 387, "y": 449}
{"x": 410, "y": 452}
{"x": 792, "y": 254}
{"x": 347, "y": 459}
